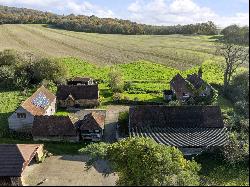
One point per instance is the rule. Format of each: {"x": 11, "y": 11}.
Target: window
{"x": 21, "y": 115}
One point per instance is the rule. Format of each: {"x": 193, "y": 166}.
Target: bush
{"x": 237, "y": 150}
{"x": 49, "y": 69}
{"x": 116, "y": 81}
{"x": 117, "y": 97}
{"x": 238, "y": 92}
{"x": 23, "y": 70}
{"x": 9, "y": 57}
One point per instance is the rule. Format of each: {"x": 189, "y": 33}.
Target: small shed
{"x": 14, "y": 159}
{"x": 54, "y": 128}
{"x": 168, "y": 95}
{"x": 92, "y": 126}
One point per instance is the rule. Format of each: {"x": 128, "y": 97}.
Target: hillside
{"x": 176, "y": 51}
{"x": 93, "y": 24}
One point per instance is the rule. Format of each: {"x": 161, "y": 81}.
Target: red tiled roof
{"x": 92, "y": 121}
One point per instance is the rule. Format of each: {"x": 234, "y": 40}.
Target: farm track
{"x": 179, "y": 52}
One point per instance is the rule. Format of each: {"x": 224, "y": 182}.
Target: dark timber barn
{"x": 190, "y": 128}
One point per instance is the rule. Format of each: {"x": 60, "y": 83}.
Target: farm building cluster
{"x": 37, "y": 116}
{"x": 189, "y": 128}
{"x": 180, "y": 126}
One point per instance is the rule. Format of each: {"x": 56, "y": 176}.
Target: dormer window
{"x": 21, "y": 115}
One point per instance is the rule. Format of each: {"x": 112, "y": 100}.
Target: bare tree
{"x": 235, "y": 56}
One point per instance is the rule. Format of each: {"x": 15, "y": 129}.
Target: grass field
{"x": 176, "y": 51}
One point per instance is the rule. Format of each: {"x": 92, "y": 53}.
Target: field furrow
{"x": 176, "y": 51}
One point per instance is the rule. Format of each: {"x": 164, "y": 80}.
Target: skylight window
{"x": 41, "y": 100}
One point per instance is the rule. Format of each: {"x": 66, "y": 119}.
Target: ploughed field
{"x": 176, "y": 51}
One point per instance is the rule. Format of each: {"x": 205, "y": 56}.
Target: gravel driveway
{"x": 69, "y": 170}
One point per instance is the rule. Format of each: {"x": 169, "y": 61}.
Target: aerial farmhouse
{"x": 41, "y": 103}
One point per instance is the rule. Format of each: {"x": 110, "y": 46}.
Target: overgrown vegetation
{"x": 25, "y": 70}
{"x": 235, "y": 56}
{"x": 143, "y": 162}
{"x": 238, "y": 120}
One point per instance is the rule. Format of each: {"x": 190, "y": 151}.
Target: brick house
{"x": 41, "y": 103}
{"x": 184, "y": 89}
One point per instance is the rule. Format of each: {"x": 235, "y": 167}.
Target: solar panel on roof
{"x": 41, "y": 100}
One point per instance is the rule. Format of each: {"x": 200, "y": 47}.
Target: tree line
{"x": 93, "y": 24}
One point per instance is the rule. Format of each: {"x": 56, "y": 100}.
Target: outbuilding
{"x": 14, "y": 160}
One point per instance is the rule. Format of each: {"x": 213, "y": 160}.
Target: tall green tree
{"x": 234, "y": 56}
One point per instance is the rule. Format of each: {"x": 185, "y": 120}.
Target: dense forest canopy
{"x": 11, "y": 15}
